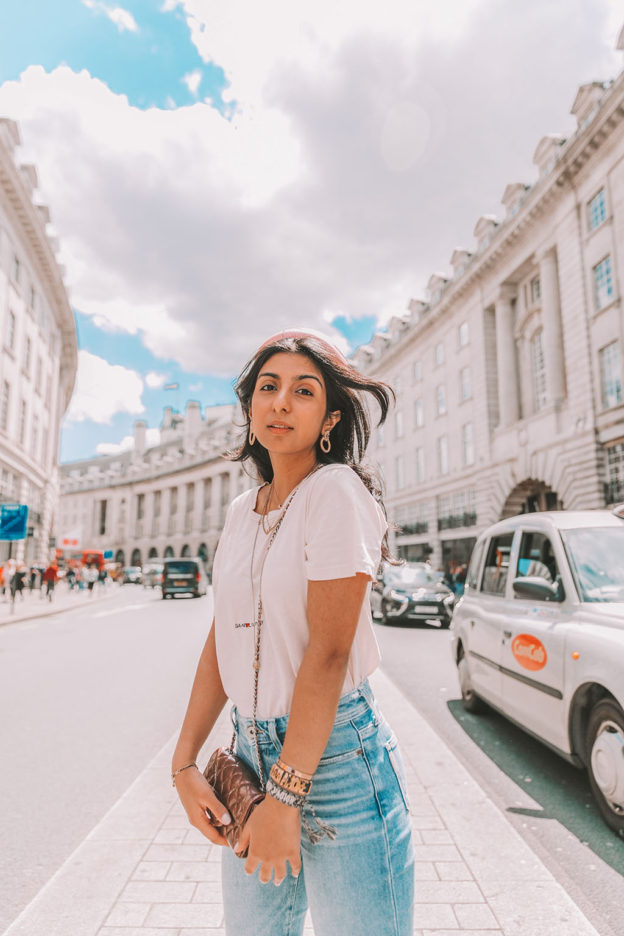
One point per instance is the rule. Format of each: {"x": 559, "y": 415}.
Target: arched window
{"x": 169, "y": 553}
{"x": 120, "y": 556}
{"x": 186, "y": 550}
{"x": 202, "y": 552}
{"x": 136, "y": 557}
{"x": 153, "y": 553}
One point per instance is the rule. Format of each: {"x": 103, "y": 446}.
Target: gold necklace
{"x": 265, "y": 512}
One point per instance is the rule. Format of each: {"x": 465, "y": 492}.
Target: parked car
{"x": 184, "y": 577}
{"x": 132, "y": 575}
{"x": 539, "y": 636}
{"x": 411, "y": 592}
{"x": 152, "y": 574}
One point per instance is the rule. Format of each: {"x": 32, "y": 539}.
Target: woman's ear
{"x": 331, "y": 421}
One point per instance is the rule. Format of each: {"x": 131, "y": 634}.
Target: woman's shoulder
{"x": 342, "y": 480}
{"x": 243, "y": 502}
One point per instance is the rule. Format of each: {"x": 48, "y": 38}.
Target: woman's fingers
{"x": 295, "y": 864}
{"x": 202, "y": 821}
{"x": 216, "y": 807}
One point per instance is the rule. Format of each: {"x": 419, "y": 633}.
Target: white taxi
{"x": 539, "y": 636}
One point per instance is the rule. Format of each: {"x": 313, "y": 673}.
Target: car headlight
{"x": 397, "y": 596}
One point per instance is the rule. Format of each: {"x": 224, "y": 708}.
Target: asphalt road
{"x": 88, "y": 698}
{"x": 546, "y": 799}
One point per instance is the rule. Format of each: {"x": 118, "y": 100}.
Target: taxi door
{"x": 533, "y": 647}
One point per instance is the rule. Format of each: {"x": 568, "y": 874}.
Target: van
{"x": 183, "y": 577}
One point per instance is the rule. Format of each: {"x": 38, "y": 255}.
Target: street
{"x": 93, "y": 694}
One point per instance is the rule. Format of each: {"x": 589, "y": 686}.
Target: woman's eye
{"x": 267, "y": 386}
{"x": 305, "y": 390}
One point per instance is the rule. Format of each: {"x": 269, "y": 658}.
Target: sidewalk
{"x": 143, "y": 871}
{"x": 35, "y": 606}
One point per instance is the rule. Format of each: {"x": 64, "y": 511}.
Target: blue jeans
{"x": 360, "y": 884}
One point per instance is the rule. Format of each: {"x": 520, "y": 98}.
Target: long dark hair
{"x": 343, "y": 385}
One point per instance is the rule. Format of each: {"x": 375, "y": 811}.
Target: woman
{"x": 308, "y": 542}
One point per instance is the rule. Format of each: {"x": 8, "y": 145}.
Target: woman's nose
{"x": 280, "y": 400}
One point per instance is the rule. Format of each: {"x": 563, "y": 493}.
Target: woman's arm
{"x": 333, "y": 612}
{"x": 205, "y": 705}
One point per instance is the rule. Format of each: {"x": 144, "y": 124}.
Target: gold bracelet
{"x": 297, "y": 773}
{"x": 288, "y": 781}
{"x": 179, "y": 770}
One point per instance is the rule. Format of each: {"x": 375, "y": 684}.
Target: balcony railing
{"x": 409, "y": 529}
{"x": 457, "y": 520}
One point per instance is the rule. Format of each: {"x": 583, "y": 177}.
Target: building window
{"x": 44, "y": 447}
{"x": 538, "y": 372}
{"x": 157, "y": 502}
{"x": 603, "y": 284}
{"x": 615, "y": 473}
{"x": 11, "y": 332}
{"x": 467, "y": 444}
{"x": 417, "y": 372}
{"x": 48, "y": 394}
{"x": 420, "y": 464}
{"x": 465, "y": 388}
{"x": 462, "y": 334}
{"x": 173, "y": 500}
{"x": 190, "y": 497}
{"x": 16, "y": 269}
{"x": 398, "y": 424}
{"x": 536, "y": 290}
{"x": 440, "y": 399}
{"x": 611, "y": 375}
{"x": 32, "y": 299}
{"x": 207, "y": 493}
{"x": 140, "y": 512}
{"x": 39, "y": 376}
{"x": 419, "y": 414}
{"x": 400, "y": 472}
{"x": 27, "y": 356}
{"x": 102, "y": 519}
{"x": 22, "y": 423}
{"x": 4, "y": 406}
{"x": 34, "y": 439}
{"x": 438, "y": 354}
{"x": 597, "y": 210}
{"x": 443, "y": 464}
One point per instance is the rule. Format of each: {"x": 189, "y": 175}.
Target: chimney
{"x": 140, "y": 436}
{"x": 192, "y": 425}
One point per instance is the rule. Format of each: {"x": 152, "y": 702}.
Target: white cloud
{"x": 104, "y": 389}
{"x": 193, "y": 81}
{"x": 365, "y": 141}
{"x": 154, "y": 380}
{"x": 123, "y": 19}
{"x": 152, "y": 437}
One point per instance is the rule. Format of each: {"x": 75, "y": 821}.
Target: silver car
{"x": 539, "y": 636}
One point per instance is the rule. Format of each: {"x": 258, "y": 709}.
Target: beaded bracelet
{"x": 284, "y": 796}
{"x": 290, "y": 781}
{"x": 292, "y": 770}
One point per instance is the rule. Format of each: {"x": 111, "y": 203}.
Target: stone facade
{"x": 166, "y": 500}
{"x": 38, "y": 353}
{"x": 509, "y": 376}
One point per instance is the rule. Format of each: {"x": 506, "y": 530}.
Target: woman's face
{"x": 289, "y": 404}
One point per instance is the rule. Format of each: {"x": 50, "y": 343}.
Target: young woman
{"x": 333, "y": 831}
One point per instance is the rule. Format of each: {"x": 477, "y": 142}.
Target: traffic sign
{"x": 13, "y": 521}
{"x": 108, "y": 554}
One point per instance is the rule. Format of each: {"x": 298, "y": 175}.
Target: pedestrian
{"x": 50, "y": 578}
{"x": 16, "y": 584}
{"x": 2, "y": 581}
{"x": 291, "y": 646}
{"x": 90, "y": 576}
{"x": 32, "y": 579}
{"x": 71, "y": 578}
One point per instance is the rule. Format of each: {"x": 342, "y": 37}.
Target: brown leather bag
{"x": 237, "y": 787}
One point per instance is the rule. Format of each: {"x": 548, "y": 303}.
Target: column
{"x": 551, "y": 326}
{"x": 506, "y": 358}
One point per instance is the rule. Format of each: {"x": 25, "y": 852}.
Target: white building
{"x": 38, "y": 356}
{"x": 509, "y": 376}
{"x": 166, "y": 500}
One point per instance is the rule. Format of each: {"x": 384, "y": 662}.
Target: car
{"x": 411, "y": 592}
{"x": 184, "y": 577}
{"x": 538, "y": 635}
{"x": 132, "y": 575}
{"x": 152, "y": 574}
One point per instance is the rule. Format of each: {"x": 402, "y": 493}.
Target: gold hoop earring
{"x": 325, "y": 443}
{"x": 252, "y": 436}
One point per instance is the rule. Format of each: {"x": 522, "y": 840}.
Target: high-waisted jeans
{"x": 361, "y": 883}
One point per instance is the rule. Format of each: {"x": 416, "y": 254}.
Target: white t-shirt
{"x": 332, "y": 529}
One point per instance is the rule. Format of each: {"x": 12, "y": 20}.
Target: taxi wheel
{"x": 470, "y": 699}
{"x": 605, "y": 761}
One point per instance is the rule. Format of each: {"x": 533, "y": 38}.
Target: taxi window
{"x": 472, "y": 578}
{"x": 497, "y": 565}
{"x": 536, "y": 557}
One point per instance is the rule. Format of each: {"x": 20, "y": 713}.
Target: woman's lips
{"x": 279, "y": 430}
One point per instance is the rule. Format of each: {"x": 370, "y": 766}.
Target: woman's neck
{"x": 287, "y": 474}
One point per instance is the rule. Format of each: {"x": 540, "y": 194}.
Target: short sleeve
{"x": 344, "y": 527}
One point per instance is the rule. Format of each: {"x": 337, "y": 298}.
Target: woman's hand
{"x": 273, "y": 834}
{"x": 197, "y": 796}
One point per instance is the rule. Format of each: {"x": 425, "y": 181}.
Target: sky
{"x": 219, "y": 171}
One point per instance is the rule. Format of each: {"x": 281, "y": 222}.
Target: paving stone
{"x": 208, "y": 892}
{"x": 176, "y": 853}
{"x": 198, "y": 931}
{"x": 465, "y": 932}
{"x": 476, "y": 916}
{"x": 151, "y": 871}
{"x": 425, "y": 871}
{"x": 189, "y": 915}
{"x": 138, "y": 931}
{"x": 436, "y": 853}
{"x": 453, "y": 871}
{"x": 127, "y": 914}
{"x": 434, "y": 916}
{"x": 175, "y": 822}
{"x": 170, "y": 837}
{"x": 436, "y": 837}
{"x": 194, "y": 837}
{"x": 158, "y": 892}
{"x": 453, "y": 892}
{"x": 194, "y": 871}
{"x": 541, "y": 908}
{"x": 431, "y": 821}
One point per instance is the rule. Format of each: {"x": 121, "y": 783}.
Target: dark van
{"x": 183, "y": 577}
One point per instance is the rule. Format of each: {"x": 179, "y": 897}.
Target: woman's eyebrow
{"x": 299, "y": 377}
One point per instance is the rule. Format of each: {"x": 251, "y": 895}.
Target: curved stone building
{"x": 38, "y": 354}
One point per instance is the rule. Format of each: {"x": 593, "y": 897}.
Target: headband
{"x": 332, "y": 349}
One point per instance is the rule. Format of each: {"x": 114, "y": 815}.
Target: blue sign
{"x": 108, "y": 554}
{"x": 13, "y": 521}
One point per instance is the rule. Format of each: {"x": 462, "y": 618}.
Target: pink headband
{"x": 302, "y": 333}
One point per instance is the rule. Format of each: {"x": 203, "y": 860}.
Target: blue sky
{"x": 213, "y": 178}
